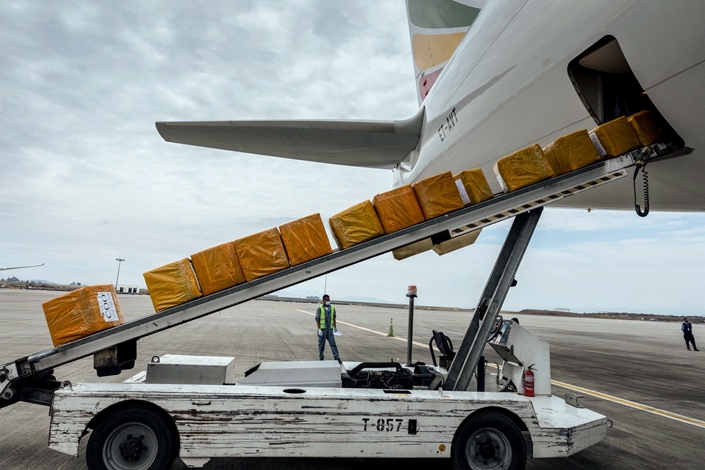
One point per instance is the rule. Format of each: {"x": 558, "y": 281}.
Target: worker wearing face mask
{"x": 325, "y": 323}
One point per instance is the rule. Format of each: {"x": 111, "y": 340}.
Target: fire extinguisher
{"x": 528, "y": 381}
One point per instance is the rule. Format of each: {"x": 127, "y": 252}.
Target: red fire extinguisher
{"x": 528, "y": 380}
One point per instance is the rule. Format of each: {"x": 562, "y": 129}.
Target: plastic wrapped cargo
{"x": 522, "y": 168}
{"x": 646, "y": 127}
{"x": 398, "y": 209}
{"x": 614, "y": 138}
{"x": 571, "y": 152}
{"x": 172, "y": 284}
{"x": 438, "y": 195}
{"x": 412, "y": 250}
{"x": 473, "y": 186}
{"x": 82, "y": 312}
{"x": 305, "y": 239}
{"x": 355, "y": 225}
{"x": 217, "y": 268}
{"x": 261, "y": 254}
{"x": 456, "y": 243}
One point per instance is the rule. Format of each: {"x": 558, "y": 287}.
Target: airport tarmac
{"x": 645, "y": 363}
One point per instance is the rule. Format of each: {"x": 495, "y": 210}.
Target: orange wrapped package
{"x": 217, "y": 268}
{"x": 571, "y": 152}
{"x": 305, "y": 239}
{"x": 172, "y": 284}
{"x": 82, "y": 312}
{"x": 438, "y": 195}
{"x": 646, "y": 127}
{"x": 398, "y": 209}
{"x": 473, "y": 186}
{"x": 522, "y": 168}
{"x": 261, "y": 254}
{"x": 355, "y": 225}
{"x": 614, "y": 138}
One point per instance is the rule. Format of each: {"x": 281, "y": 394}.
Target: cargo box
{"x": 305, "y": 239}
{"x": 398, "y": 209}
{"x": 217, "y": 268}
{"x": 438, "y": 195}
{"x": 172, "y": 284}
{"x": 571, "y": 152}
{"x": 614, "y": 138}
{"x": 261, "y": 254}
{"x": 646, "y": 127}
{"x": 456, "y": 243}
{"x": 523, "y": 168}
{"x": 412, "y": 250}
{"x": 355, "y": 225}
{"x": 473, "y": 186}
{"x": 82, "y": 312}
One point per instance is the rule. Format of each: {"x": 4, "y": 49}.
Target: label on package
{"x": 598, "y": 145}
{"x": 463, "y": 193}
{"x": 107, "y": 306}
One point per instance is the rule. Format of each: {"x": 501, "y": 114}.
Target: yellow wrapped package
{"x": 438, "y": 195}
{"x": 571, "y": 152}
{"x": 398, "y": 209}
{"x": 413, "y": 249}
{"x": 355, "y": 225}
{"x": 305, "y": 239}
{"x": 614, "y": 138}
{"x": 82, "y": 312}
{"x": 456, "y": 243}
{"x": 522, "y": 168}
{"x": 261, "y": 254}
{"x": 172, "y": 284}
{"x": 217, "y": 268}
{"x": 473, "y": 186}
{"x": 646, "y": 127}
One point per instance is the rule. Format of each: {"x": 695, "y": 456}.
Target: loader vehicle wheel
{"x": 488, "y": 441}
{"x": 135, "y": 438}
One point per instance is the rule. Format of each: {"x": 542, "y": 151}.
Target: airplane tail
{"x": 436, "y": 27}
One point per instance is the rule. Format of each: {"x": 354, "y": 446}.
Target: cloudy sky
{"x": 85, "y": 177}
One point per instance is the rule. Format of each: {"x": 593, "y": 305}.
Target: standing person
{"x": 325, "y": 322}
{"x": 687, "y": 330}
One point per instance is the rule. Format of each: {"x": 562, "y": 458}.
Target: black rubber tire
{"x": 141, "y": 417}
{"x": 498, "y": 425}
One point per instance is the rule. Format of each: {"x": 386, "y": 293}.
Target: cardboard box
{"x": 305, "y": 239}
{"x": 82, "y": 312}
{"x": 261, "y": 254}
{"x": 355, "y": 225}
{"x": 438, "y": 195}
{"x": 412, "y": 250}
{"x": 456, "y": 243}
{"x": 473, "y": 186}
{"x": 217, "y": 268}
{"x": 614, "y": 138}
{"x": 646, "y": 127}
{"x": 571, "y": 152}
{"x": 523, "y": 168}
{"x": 172, "y": 284}
{"x": 398, "y": 209}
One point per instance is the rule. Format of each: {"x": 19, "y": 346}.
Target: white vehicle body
{"x": 267, "y": 421}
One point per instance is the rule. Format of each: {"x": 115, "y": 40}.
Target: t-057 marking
{"x": 382, "y": 424}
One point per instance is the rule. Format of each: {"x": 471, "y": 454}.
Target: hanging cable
{"x": 641, "y": 165}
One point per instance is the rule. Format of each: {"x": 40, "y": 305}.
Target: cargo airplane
{"x": 495, "y": 76}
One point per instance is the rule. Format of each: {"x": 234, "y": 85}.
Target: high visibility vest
{"x": 323, "y": 316}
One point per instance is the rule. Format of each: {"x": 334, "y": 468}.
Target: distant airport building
{"x": 128, "y": 289}
{"x": 562, "y": 309}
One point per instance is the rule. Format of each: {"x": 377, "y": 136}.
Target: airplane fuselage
{"x": 508, "y": 86}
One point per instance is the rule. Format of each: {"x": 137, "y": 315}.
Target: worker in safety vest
{"x": 325, "y": 323}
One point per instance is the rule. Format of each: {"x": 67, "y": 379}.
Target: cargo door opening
{"x": 609, "y": 89}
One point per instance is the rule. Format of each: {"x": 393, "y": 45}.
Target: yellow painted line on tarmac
{"x": 403, "y": 340}
{"x": 575, "y": 388}
{"x": 631, "y": 404}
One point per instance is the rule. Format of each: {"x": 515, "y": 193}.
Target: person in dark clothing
{"x": 687, "y": 330}
{"x": 325, "y": 326}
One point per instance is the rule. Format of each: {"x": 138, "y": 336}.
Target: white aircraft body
{"x": 21, "y": 267}
{"x": 496, "y": 76}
